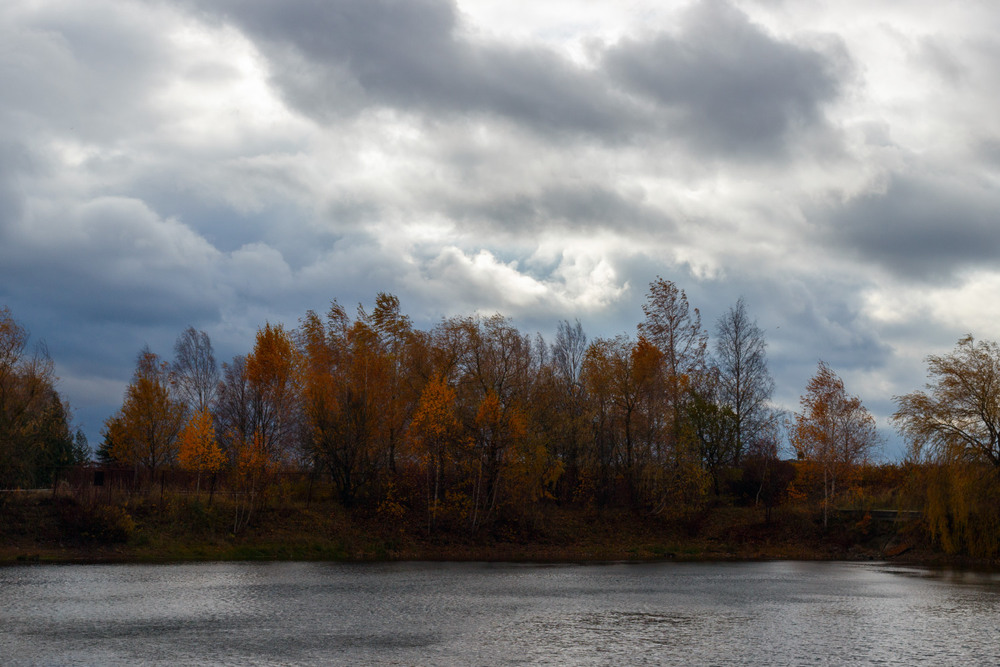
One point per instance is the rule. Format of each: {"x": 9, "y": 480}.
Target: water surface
{"x": 777, "y": 613}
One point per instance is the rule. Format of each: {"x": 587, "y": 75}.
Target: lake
{"x": 774, "y": 613}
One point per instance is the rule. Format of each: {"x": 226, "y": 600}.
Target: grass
{"x": 182, "y": 527}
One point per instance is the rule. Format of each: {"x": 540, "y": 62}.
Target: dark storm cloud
{"x": 727, "y": 85}
{"x": 923, "y": 229}
{"x": 574, "y": 207}
{"x": 110, "y": 259}
{"x": 334, "y": 58}
{"x": 13, "y": 162}
{"x": 721, "y": 84}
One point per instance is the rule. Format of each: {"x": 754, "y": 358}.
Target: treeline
{"x": 36, "y": 436}
{"x": 472, "y": 421}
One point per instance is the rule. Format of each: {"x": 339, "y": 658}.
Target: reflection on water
{"x": 459, "y": 613}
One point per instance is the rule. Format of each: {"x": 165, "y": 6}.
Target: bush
{"x": 108, "y": 524}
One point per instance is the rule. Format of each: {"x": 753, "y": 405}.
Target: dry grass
{"x": 180, "y": 526}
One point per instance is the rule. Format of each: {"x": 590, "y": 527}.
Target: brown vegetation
{"x": 302, "y": 519}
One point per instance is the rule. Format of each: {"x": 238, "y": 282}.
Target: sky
{"x": 225, "y": 163}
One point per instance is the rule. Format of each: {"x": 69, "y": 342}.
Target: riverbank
{"x": 43, "y": 527}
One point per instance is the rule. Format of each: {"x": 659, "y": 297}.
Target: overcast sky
{"x": 222, "y": 163}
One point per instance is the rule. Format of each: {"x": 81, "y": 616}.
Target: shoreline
{"x": 512, "y": 554}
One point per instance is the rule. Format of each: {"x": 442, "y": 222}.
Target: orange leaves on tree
{"x": 198, "y": 450}
{"x": 434, "y": 432}
{"x": 144, "y": 432}
{"x": 498, "y": 431}
{"x": 834, "y": 429}
{"x": 273, "y": 373}
{"x": 647, "y": 361}
{"x": 434, "y": 425}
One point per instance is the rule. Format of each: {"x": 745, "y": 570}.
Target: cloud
{"x": 726, "y": 86}
{"x": 337, "y": 58}
{"x": 111, "y": 258}
{"x": 578, "y": 207}
{"x": 921, "y": 227}
{"x": 61, "y": 58}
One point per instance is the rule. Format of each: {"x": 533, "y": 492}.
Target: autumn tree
{"x": 625, "y": 387}
{"x": 834, "y": 430}
{"x": 347, "y": 388}
{"x": 198, "y": 449}
{"x": 253, "y": 478}
{"x": 393, "y": 343}
{"x": 272, "y": 376}
{"x": 957, "y": 418}
{"x": 954, "y": 426}
{"x": 605, "y": 362}
{"x": 496, "y": 358}
{"x": 493, "y": 368}
{"x": 435, "y": 436}
{"x": 497, "y": 431}
{"x": 675, "y": 329}
{"x": 144, "y": 431}
{"x": 745, "y": 384}
{"x": 34, "y": 421}
{"x": 560, "y": 400}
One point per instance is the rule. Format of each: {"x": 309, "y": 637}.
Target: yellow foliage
{"x": 145, "y": 430}
{"x": 960, "y": 508}
{"x": 198, "y": 449}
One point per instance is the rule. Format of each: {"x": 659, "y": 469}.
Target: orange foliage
{"x": 273, "y": 373}
{"x": 144, "y": 432}
{"x": 434, "y": 434}
{"x": 198, "y": 449}
{"x": 834, "y": 430}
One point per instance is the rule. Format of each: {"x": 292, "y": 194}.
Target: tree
{"x": 347, "y": 390}
{"x": 393, "y": 337}
{"x": 605, "y": 375}
{"x": 745, "y": 384}
{"x": 557, "y": 403}
{"x": 144, "y": 431}
{"x": 435, "y": 433}
{"x": 236, "y": 408}
{"x": 955, "y": 427}
{"x": 497, "y": 430}
{"x": 194, "y": 371}
{"x": 54, "y": 447}
{"x": 958, "y": 417}
{"x": 34, "y": 429}
{"x": 675, "y": 328}
{"x": 252, "y": 479}
{"x": 834, "y": 430}
{"x": 714, "y": 425}
{"x": 198, "y": 450}
{"x": 568, "y": 350}
{"x": 273, "y": 378}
